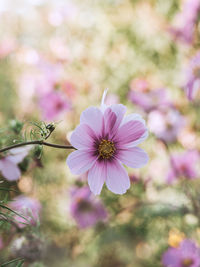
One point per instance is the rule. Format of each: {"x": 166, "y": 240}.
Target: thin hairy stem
{"x": 36, "y": 142}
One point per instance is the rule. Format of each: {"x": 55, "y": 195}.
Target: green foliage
{"x": 14, "y": 263}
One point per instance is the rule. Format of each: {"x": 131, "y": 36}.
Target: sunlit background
{"x": 56, "y": 59}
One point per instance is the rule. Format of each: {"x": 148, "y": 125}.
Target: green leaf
{"x": 21, "y": 261}
{"x": 5, "y": 207}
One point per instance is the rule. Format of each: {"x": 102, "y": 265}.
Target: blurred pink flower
{"x": 187, "y": 20}
{"x": 54, "y": 96}
{"x": 69, "y": 89}
{"x": 85, "y": 208}
{"x": 7, "y": 46}
{"x": 183, "y": 165}
{"x": 28, "y": 208}
{"x": 166, "y": 124}
{"x": 8, "y": 164}
{"x": 150, "y": 100}
{"x": 49, "y": 78}
{"x": 104, "y": 140}
{"x": 186, "y": 255}
{"x": 192, "y": 83}
{"x": 53, "y": 105}
{"x": 139, "y": 84}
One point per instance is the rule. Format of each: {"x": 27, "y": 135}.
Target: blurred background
{"x": 56, "y": 59}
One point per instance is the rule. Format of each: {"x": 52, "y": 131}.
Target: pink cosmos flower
{"x": 183, "y": 165}
{"x": 186, "y": 255}
{"x": 85, "y": 208}
{"x": 166, "y": 124}
{"x": 53, "y": 104}
{"x": 150, "y": 100}
{"x": 49, "y": 76}
{"x": 187, "y": 20}
{"x": 8, "y": 164}
{"x": 27, "y": 207}
{"x": 139, "y": 84}
{"x": 52, "y": 93}
{"x": 192, "y": 83}
{"x": 105, "y": 140}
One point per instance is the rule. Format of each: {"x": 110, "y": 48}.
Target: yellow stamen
{"x": 106, "y": 149}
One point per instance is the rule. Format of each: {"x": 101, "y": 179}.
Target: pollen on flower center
{"x": 187, "y": 262}
{"x": 106, "y": 149}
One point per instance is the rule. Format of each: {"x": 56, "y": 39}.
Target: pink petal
{"x": 94, "y": 118}
{"x": 130, "y": 132}
{"x": 188, "y": 248}
{"x": 83, "y": 137}
{"x": 97, "y": 176}
{"x": 133, "y": 157}
{"x": 18, "y": 154}
{"x": 133, "y": 117}
{"x": 21, "y": 150}
{"x": 117, "y": 179}
{"x": 119, "y": 111}
{"x": 113, "y": 116}
{"x": 16, "y": 158}
{"x": 9, "y": 170}
{"x": 141, "y": 139}
{"x": 136, "y": 117}
{"x": 172, "y": 257}
{"x": 80, "y": 161}
{"x": 110, "y": 119}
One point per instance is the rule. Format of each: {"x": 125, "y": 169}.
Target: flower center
{"x": 187, "y": 262}
{"x": 59, "y": 105}
{"x": 106, "y": 149}
{"x": 183, "y": 169}
{"x": 84, "y": 206}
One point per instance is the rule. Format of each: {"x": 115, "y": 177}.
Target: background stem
{"x": 37, "y": 142}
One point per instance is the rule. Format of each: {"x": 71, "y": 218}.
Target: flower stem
{"x": 36, "y": 142}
